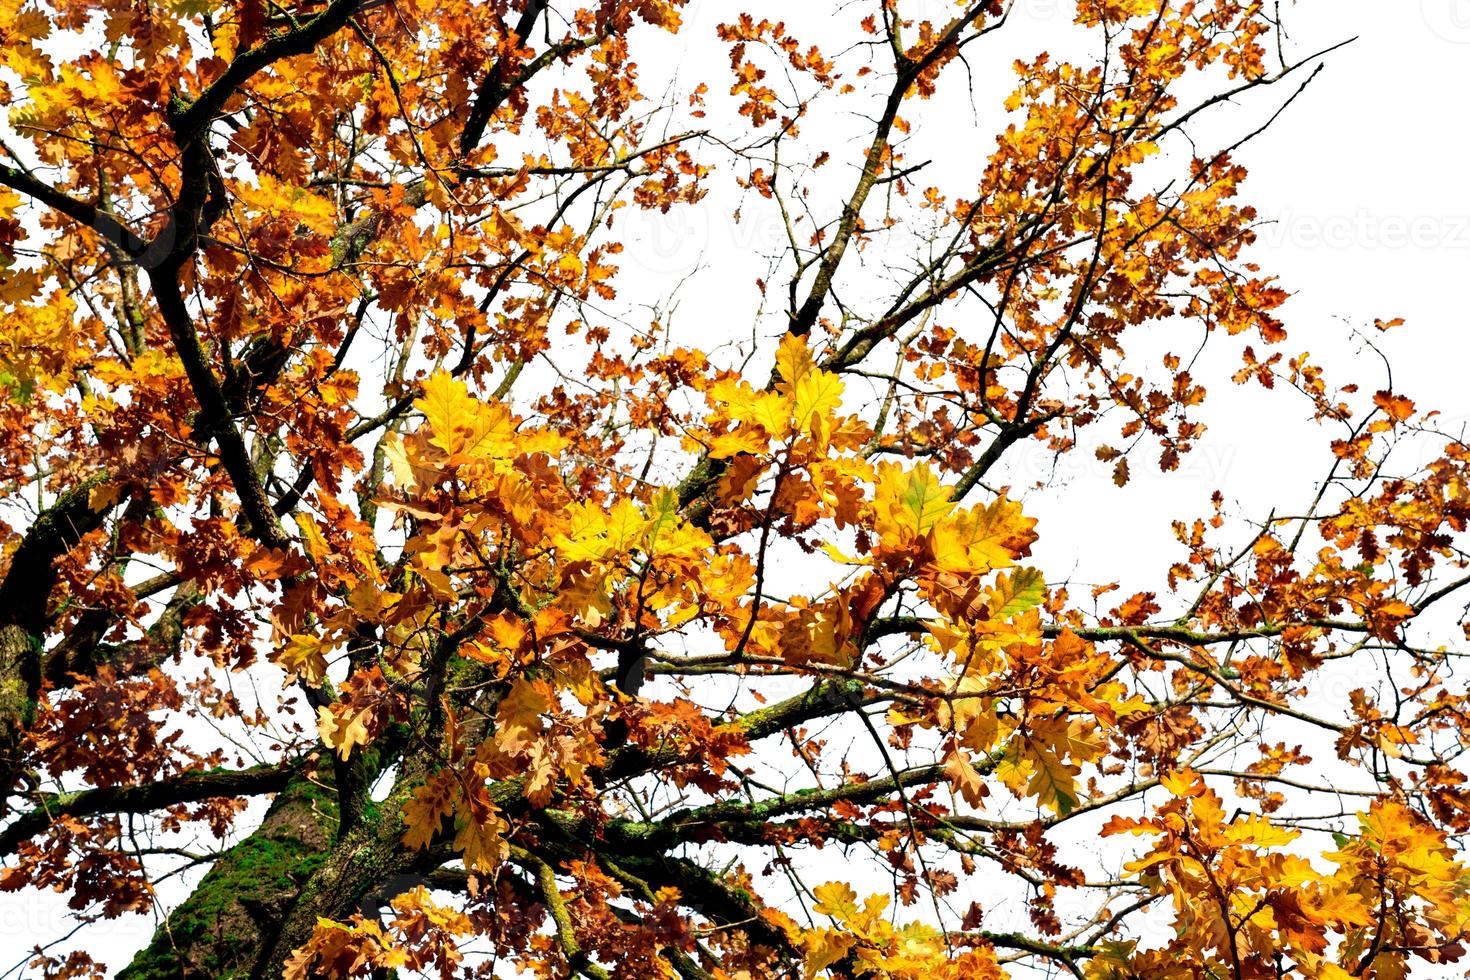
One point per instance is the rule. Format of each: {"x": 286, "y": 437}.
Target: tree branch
{"x": 188, "y": 788}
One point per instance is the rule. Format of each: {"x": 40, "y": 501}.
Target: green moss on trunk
{"x": 234, "y": 913}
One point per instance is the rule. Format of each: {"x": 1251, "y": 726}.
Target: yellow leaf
{"x": 481, "y": 841}
{"x": 403, "y": 471}
{"x": 316, "y": 544}
{"x": 594, "y": 534}
{"x": 507, "y": 227}
{"x": 369, "y": 601}
{"x": 745, "y": 439}
{"x": 586, "y": 595}
{"x": 341, "y": 734}
{"x": 1183, "y": 782}
{"x": 625, "y": 526}
{"x": 531, "y": 441}
{"x": 1074, "y": 738}
{"x": 486, "y": 654}
{"x": 836, "y": 899}
{"x": 305, "y": 657}
{"x": 793, "y": 361}
{"x": 1053, "y": 782}
{"x": 983, "y": 539}
{"x": 1051, "y": 741}
{"x": 908, "y": 503}
{"x": 823, "y": 948}
{"x": 462, "y": 425}
{"x": 816, "y": 398}
{"x": 1016, "y": 593}
{"x": 518, "y": 718}
{"x": 103, "y": 495}
{"x": 1257, "y": 831}
{"x": 541, "y": 774}
{"x": 972, "y": 717}
{"x": 508, "y": 632}
{"x": 426, "y": 809}
{"x": 739, "y": 402}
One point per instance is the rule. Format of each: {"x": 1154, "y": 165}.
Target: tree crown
{"x": 361, "y": 460}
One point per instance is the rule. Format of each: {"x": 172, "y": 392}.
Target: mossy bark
{"x": 262, "y": 899}
{"x": 236, "y": 911}
{"x": 366, "y": 868}
{"x": 25, "y": 592}
{"x": 19, "y": 662}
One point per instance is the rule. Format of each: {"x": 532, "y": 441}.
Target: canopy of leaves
{"x": 352, "y": 464}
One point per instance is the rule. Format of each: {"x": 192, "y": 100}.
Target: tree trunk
{"x": 18, "y": 681}
{"x": 222, "y": 929}
{"x": 368, "y": 867}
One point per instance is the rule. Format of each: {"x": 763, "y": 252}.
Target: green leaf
{"x": 1018, "y": 592}
{"x": 926, "y": 498}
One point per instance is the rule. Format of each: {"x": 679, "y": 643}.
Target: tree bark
{"x": 24, "y": 595}
{"x": 222, "y": 929}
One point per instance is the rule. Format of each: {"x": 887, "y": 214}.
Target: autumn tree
{"x": 389, "y": 557}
